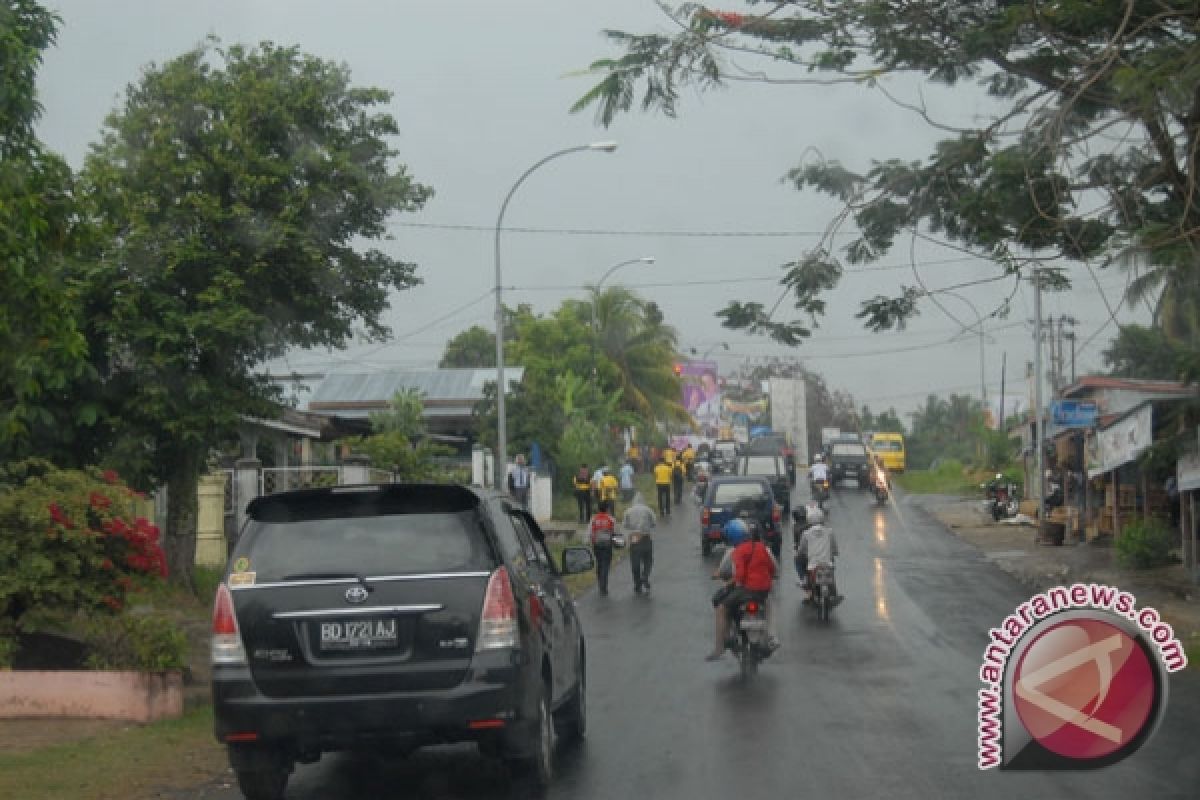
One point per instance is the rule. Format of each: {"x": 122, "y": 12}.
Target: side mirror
{"x": 576, "y": 560}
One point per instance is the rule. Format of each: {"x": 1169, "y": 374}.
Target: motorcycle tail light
{"x": 752, "y": 607}
{"x": 704, "y": 517}
{"x": 775, "y": 514}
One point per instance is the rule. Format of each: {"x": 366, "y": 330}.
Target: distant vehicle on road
{"x": 849, "y": 459}
{"x": 890, "y": 447}
{"x": 772, "y": 467}
{"x": 388, "y": 617}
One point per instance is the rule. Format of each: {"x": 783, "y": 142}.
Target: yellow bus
{"x": 890, "y": 446}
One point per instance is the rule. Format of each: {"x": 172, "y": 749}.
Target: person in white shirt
{"x": 819, "y": 471}
{"x": 518, "y": 481}
{"x": 816, "y": 547}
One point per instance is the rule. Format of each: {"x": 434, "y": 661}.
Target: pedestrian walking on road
{"x": 638, "y": 524}
{"x": 518, "y": 482}
{"x": 662, "y": 482}
{"x": 677, "y": 476}
{"x": 627, "y": 491}
{"x": 601, "y": 530}
{"x": 609, "y": 486}
{"x": 583, "y": 492}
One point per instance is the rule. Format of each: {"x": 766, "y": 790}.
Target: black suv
{"x": 774, "y": 469}
{"x": 727, "y": 497}
{"x": 391, "y": 617}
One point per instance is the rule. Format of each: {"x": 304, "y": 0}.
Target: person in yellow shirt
{"x": 662, "y": 482}
{"x": 609, "y": 486}
{"x": 669, "y": 455}
{"x": 688, "y": 456}
{"x": 583, "y": 492}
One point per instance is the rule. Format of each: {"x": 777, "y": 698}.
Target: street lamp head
{"x": 607, "y": 147}
{"x": 647, "y": 259}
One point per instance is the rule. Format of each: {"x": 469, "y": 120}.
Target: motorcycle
{"x": 820, "y": 493}
{"x": 748, "y": 636}
{"x": 879, "y": 485}
{"x": 823, "y": 595}
{"x": 1000, "y": 498}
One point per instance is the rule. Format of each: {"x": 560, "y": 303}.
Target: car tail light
{"x": 752, "y": 607}
{"x": 226, "y": 638}
{"x": 704, "y": 517}
{"x": 498, "y": 623}
{"x": 775, "y": 516}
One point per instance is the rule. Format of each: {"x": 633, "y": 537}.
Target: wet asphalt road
{"x": 879, "y": 702}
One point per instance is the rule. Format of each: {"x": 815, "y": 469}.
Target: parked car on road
{"x": 389, "y": 617}
{"x": 727, "y": 497}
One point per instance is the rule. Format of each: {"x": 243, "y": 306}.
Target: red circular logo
{"x": 1084, "y": 689}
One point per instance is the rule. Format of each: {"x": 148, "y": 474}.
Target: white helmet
{"x": 815, "y": 515}
{"x": 818, "y": 458}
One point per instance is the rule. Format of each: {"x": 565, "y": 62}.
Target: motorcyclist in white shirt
{"x": 816, "y": 547}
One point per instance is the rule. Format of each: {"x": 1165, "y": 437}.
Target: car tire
{"x": 262, "y": 776}
{"x": 536, "y": 767}
{"x": 571, "y": 720}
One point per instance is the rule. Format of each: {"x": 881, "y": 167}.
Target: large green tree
{"x": 474, "y": 347}
{"x": 640, "y": 350}
{"x": 42, "y": 350}
{"x": 1093, "y": 154}
{"x": 236, "y": 188}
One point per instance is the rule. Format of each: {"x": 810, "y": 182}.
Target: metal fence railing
{"x": 282, "y": 479}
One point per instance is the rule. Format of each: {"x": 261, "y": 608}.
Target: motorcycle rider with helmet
{"x": 748, "y": 569}
{"x": 817, "y": 546}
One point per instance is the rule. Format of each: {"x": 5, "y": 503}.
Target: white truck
{"x": 789, "y": 414}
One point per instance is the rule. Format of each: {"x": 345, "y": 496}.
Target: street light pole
{"x": 596, "y": 300}
{"x": 501, "y": 422}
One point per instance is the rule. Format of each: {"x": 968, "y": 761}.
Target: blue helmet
{"x": 736, "y": 532}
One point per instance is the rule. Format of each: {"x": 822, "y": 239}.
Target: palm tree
{"x": 629, "y": 331}
{"x": 1171, "y": 292}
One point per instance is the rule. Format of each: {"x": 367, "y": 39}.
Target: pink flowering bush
{"x": 69, "y": 543}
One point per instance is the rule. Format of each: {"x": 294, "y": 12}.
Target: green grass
{"x": 951, "y": 477}
{"x": 1192, "y": 650}
{"x": 134, "y": 763}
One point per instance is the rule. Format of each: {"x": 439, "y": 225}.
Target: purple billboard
{"x": 702, "y": 394}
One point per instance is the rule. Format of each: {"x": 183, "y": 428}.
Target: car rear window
{"x": 761, "y": 465}
{"x": 728, "y": 493}
{"x": 891, "y": 446}
{"x": 849, "y": 450}
{"x": 374, "y": 537}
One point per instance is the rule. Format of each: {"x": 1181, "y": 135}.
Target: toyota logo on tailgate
{"x": 356, "y": 594}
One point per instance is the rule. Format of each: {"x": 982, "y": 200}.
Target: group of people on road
{"x": 748, "y": 568}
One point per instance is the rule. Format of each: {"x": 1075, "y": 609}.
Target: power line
{"x": 688, "y": 234}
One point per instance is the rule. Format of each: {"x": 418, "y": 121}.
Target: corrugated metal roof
{"x": 462, "y": 385}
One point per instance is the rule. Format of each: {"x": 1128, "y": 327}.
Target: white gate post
{"x": 247, "y": 476}
{"x": 356, "y": 469}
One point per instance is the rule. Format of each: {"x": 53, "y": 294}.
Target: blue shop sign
{"x": 1073, "y": 413}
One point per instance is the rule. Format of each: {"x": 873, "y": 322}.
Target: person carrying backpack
{"x": 601, "y": 530}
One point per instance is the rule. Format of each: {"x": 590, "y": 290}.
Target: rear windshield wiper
{"x": 329, "y": 576}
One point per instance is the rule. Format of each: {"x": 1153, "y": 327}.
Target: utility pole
{"x": 1003, "y": 372}
{"x": 1037, "y": 394}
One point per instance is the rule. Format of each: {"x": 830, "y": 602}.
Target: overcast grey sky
{"x": 482, "y": 91}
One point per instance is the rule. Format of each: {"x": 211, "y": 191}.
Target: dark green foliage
{"x": 1090, "y": 157}
{"x": 1144, "y": 544}
{"x": 474, "y": 347}
{"x": 149, "y": 642}
{"x": 235, "y": 190}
